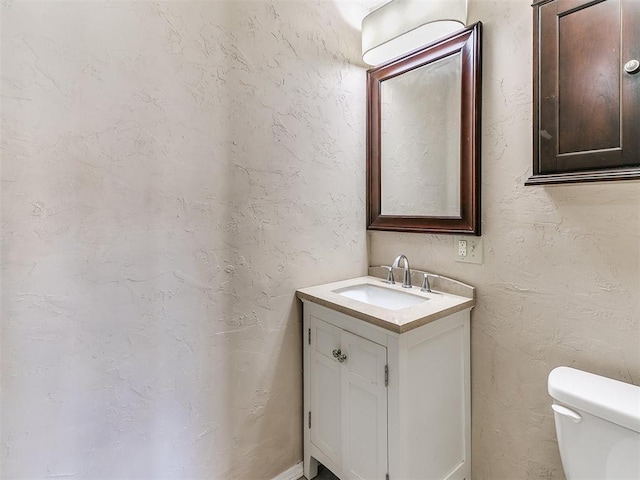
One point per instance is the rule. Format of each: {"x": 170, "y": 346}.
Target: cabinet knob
{"x": 632, "y": 66}
{"x": 338, "y": 355}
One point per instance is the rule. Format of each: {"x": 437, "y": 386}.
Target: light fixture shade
{"x": 404, "y": 25}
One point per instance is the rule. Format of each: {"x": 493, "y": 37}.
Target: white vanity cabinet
{"x": 384, "y": 405}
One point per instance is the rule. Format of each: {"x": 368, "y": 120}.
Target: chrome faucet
{"x": 406, "y": 278}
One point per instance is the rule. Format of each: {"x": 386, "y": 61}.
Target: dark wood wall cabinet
{"x": 586, "y": 82}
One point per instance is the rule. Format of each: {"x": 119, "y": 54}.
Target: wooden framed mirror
{"x": 423, "y": 138}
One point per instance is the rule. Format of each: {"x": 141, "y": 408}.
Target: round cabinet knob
{"x": 338, "y": 355}
{"x": 632, "y": 66}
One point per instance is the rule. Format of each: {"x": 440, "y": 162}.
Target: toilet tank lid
{"x": 615, "y": 401}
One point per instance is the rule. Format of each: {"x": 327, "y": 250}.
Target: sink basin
{"x": 381, "y": 296}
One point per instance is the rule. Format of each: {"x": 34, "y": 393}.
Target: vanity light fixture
{"x": 401, "y": 26}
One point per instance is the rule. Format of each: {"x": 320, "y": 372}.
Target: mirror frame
{"x": 468, "y": 42}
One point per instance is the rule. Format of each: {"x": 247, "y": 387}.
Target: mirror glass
{"x": 420, "y": 143}
{"x": 423, "y": 138}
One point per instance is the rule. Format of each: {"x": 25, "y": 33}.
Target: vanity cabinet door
{"x": 587, "y": 107}
{"x": 326, "y": 384}
{"x": 364, "y": 409}
{"x": 347, "y": 401}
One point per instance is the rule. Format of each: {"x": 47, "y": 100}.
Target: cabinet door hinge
{"x": 309, "y": 336}
{"x": 309, "y": 419}
{"x": 386, "y": 377}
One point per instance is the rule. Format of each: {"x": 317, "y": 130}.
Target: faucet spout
{"x": 406, "y": 277}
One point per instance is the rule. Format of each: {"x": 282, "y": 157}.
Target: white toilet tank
{"x": 598, "y": 425}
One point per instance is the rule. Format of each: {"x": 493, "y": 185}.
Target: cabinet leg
{"x": 310, "y": 467}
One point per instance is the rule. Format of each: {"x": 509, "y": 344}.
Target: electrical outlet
{"x": 462, "y": 248}
{"x": 468, "y": 249}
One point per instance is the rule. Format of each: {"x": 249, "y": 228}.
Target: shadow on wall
{"x": 285, "y": 165}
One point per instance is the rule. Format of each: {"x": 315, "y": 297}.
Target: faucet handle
{"x": 390, "y": 280}
{"x": 425, "y": 284}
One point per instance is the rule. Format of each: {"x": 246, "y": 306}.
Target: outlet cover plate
{"x": 474, "y": 249}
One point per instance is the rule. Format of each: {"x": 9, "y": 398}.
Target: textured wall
{"x": 561, "y": 276}
{"x": 171, "y": 172}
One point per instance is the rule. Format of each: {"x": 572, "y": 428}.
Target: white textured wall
{"x": 171, "y": 172}
{"x": 561, "y": 278}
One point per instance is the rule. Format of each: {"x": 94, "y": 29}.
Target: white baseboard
{"x": 294, "y": 473}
